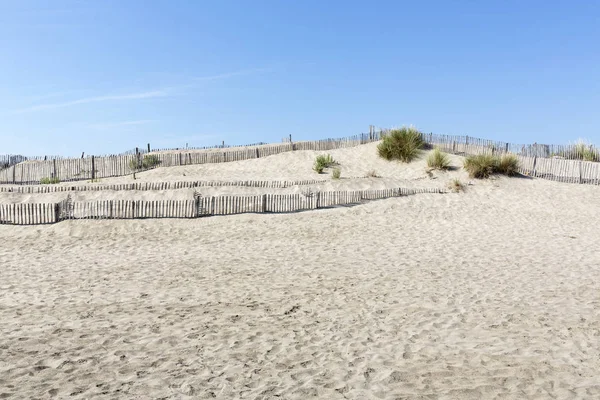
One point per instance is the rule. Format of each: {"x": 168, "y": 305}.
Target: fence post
{"x": 291, "y": 143}
{"x": 534, "y": 163}
{"x": 54, "y": 164}
{"x": 580, "y": 173}
{"x": 264, "y": 203}
{"x": 257, "y": 155}
{"x": 56, "y": 212}
{"x": 198, "y": 198}
{"x": 148, "y": 147}
{"x": 93, "y": 168}
{"x": 506, "y": 151}
{"x": 467, "y": 141}
{"x": 69, "y": 207}
{"x": 15, "y": 173}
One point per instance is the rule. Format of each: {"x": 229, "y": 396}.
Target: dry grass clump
{"x": 484, "y": 165}
{"x": 438, "y": 160}
{"x": 456, "y": 185}
{"x": 323, "y": 161}
{"x": 480, "y": 166}
{"x": 404, "y": 144}
{"x": 49, "y": 181}
{"x": 584, "y": 150}
{"x": 149, "y": 161}
{"x": 508, "y": 165}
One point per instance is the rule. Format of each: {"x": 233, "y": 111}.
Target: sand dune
{"x": 488, "y": 294}
{"x": 354, "y": 162}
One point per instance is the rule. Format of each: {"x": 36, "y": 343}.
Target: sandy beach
{"x": 493, "y": 293}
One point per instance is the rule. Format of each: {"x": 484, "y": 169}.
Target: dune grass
{"x": 404, "y": 144}
{"x": 337, "y": 173}
{"x": 508, "y": 164}
{"x": 438, "y": 160}
{"x": 323, "y": 161}
{"x": 149, "y": 161}
{"x": 583, "y": 150}
{"x": 49, "y": 181}
{"x": 456, "y": 185}
{"x": 482, "y": 166}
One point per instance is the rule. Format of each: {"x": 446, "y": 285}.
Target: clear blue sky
{"x": 106, "y": 76}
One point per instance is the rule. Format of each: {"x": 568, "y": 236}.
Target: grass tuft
{"x": 49, "y": 181}
{"x": 508, "y": 164}
{"x": 404, "y": 144}
{"x": 481, "y": 166}
{"x": 149, "y": 161}
{"x": 438, "y": 160}
{"x": 484, "y": 165}
{"x": 456, "y": 185}
{"x": 323, "y": 161}
{"x": 337, "y": 173}
{"x": 585, "y": 151}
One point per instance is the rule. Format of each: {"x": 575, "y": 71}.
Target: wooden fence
{"x": 563, "y": 165}
{"x": 90, "y": 168}
{"x": 467, "y": 145}
{"x": 531, "y": 158}
{"x": 156, "y": 186}
{"x": 49, "y": 213}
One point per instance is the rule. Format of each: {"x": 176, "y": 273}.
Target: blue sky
{"x": 107, "y": 76}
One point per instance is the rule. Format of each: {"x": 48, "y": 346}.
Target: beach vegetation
{"x": 404, "y": 144}
{"x": 438, "y": 160}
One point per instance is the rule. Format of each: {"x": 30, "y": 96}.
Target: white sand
{"x": 493, "y": 293}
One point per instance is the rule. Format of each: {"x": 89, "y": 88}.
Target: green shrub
{"x": 438, "y": 160}
{"x": 323, "y": 161}
{"x": 585, "y": 151}
{"x": 404, "y": 144}
{"x": 133, "y": 164}
{"x": 49, "y": 181}
{"x": 508, "y": 164}
{"x": 483, "y": 165}
{"x": 581, "y": 150}
{"x": 337, "y": 173}
{"x": 149, "y": 161}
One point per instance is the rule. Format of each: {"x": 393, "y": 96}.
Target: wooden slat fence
{"x": 564, "y": 165}
{"x": 38, "y": 213}
{"x": 157, "y": 186}
{"x": 534, "y": 160}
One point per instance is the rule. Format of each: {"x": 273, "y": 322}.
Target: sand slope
{"x": 493, "y": 293}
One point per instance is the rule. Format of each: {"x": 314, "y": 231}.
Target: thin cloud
{"x": 97, "y": 99}
{"x": 143, "y": 95}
